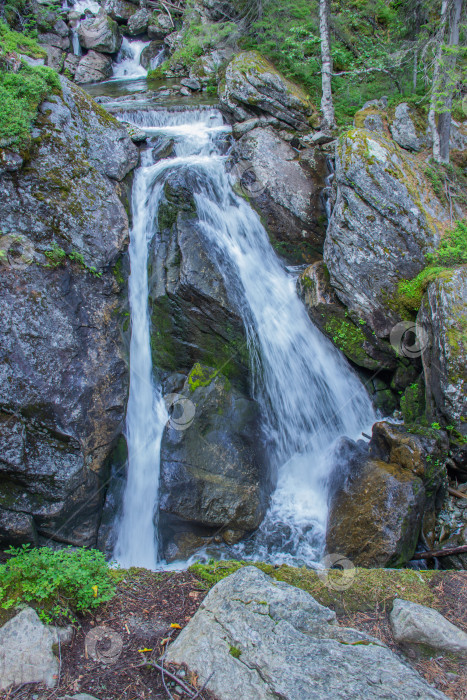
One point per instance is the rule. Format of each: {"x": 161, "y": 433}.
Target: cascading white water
{"x": 75, "y": 42}
{"x": 137, "y": 543}
{"x": 128, "y": 61}
{"x": 308, "y": 394}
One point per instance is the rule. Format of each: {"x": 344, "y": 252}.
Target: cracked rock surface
{"x": 266, "y": 640}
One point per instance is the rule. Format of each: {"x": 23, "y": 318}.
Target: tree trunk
{"x": 327, "y": 106}
{"x": 449, "y": 82}
{"x": 415, "y": 70}
{"x": 438, "y": 55}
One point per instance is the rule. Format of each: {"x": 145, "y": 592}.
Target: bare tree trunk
{"x": 415, "y": 70}
{"x": 438, "y": 55}
{"x": 327, "y": 106}
{"x": 444, "y": 121}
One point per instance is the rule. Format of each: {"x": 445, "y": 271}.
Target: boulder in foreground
{"x": 265, "y": 639}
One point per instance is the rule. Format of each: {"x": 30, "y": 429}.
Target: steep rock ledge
{"x": 63, "y": 373}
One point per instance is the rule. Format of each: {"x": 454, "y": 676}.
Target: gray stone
{"x": 55, "y": 58}
{"x": 253, "y": 85}
{"x": 71, "y": 63}
{"x": 404, "y": 130}
{"x": 287, "y": 195}
{"x": 159, "y": 26}
{"x": 136, "y": 134}
{"x": 80, "y": 696}
{"x": 265, "y": 639}
{"x": 138, "y": 23}
{"x": 185, "y": 92}
{"x": 442, "y": 316}
{"x": 50, "y": 39}
{"x": 16, "y": 528}
{"x": 93, "y": 67}
{"x": 100, "y": 33}
{"x": 119, "y": 10}
{"x": 416, "y": 624}
{"x": 191, "y": 83}
{"x": 385, "y": 219}
{"x": 26, "y": 654}
{"x": 458, "y": 136}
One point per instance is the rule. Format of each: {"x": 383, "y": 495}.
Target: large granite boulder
{"x": 100, "y": 33}
{"x": 252, "y": 85}
{"x": 415, "y": 624}
{"x": 63, "y": 374}
{"x": 93, "y": 67}
{"x": 443, "y": 316}
{"x": 385, "y": 219}
{"x": 284, "y": 190}
{"x": 26, "y": 651}
{"x": 254, "y": 637}
{"x": 193, "y": 318}
{"x": 210, "y": 472}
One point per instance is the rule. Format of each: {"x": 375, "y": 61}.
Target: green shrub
{"x": 57, "y": 583}
{"x": 452, "y": 248}
{"x": 15, "y": 42}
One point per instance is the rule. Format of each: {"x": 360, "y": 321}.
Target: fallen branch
{"x": 455, "y": 492}
{"x": 441, "y": 552}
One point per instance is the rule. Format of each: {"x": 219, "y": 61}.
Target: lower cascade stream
{"x": 308, "y": 395}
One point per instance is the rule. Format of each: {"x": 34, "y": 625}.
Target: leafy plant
{"x": 58, "y": 584}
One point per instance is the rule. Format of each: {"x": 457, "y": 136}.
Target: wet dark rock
{"x": 71, "y": 64}
{"x": 56, "y": 40}
{"x": 191, "y": 83}
{"x": 55, "y": 58}
{"x": 210, "y": 472}
{"x": 16, "y": 528}
{"x": 100, "y": 33}
{"x": 193, "y": 319}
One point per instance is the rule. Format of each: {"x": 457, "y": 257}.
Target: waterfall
{"x": 75, "y": 42}
{"x": 308, "y": 394}
{"x": 127, "y": 64}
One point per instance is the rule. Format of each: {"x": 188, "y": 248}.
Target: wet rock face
{"x": 63, "y": 374}
{"x": 384, "y": 221}
{"x": 253, "y": 86}
{"x": 159, "y": 26}
{"x": 193, "y": 319}
{"x": 138, "y": 23}
{"x": 286, "y": 193}
{"x": 443, "y": 317}
{"x": 100, "y": 33}
{"x": 353, "y": 337}
{"x": 210, "y": 472}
